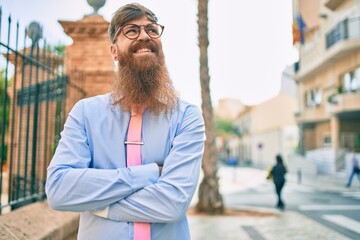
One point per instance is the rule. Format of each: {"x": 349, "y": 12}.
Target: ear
{"x": 113, "y": 51}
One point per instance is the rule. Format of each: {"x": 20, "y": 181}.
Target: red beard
{"x": 143, "y": 80}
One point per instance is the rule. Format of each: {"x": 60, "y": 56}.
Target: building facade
{"x": 328, "y": 76}
{"x": 269, "y": 128}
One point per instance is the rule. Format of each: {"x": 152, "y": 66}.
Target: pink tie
{"x": 141, "y": 230}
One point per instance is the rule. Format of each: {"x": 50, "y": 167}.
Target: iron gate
{"x": 35, "y": 97}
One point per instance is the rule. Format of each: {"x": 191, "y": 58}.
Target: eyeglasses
{"x": 132, "y": 31}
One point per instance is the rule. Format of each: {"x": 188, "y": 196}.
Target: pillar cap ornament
{"x": 96, "y": 5}
{"x": 34, "y": 32}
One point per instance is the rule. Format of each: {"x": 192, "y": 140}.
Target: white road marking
{"x": 343, "y": 221}
{"x": 355, "y": 195}
{"x": 328, "y": 207}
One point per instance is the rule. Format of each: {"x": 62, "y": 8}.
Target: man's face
{"x": 142, "y": 78}
{"x": 142, "y": 51}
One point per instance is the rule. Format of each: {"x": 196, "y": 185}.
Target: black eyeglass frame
{"x": 139, "y": 26}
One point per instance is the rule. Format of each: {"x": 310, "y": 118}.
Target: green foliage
{"x": 7, "y": 108}
{"x": 226, "y": 127}
{"x": 340, "y": 89}
{"x": 59, "y": 49}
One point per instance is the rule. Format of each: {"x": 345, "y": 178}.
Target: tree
{"x": 226, "y": 127}
{"x": 4, "y": 113}
{"x": 210, "y": 200}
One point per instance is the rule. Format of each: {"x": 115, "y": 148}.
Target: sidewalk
{"x": 286, "y": 225}
{"x": 328, "y": 183}
{"x": 277, "y": 225}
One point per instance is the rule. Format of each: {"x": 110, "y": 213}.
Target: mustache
{"x": 150, "y": 45}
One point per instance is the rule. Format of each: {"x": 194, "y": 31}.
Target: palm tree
{"x": 210, "y": 200}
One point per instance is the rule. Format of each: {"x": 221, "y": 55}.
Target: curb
{"x": 38, "y": 221}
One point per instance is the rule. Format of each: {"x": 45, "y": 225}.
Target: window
{"x": 313, "y": 98}
{"x": 347, "y": 82}
{"x": 351, "y": 81}
{"x": 326, "y": 140}
{"x": 355, "y": 85}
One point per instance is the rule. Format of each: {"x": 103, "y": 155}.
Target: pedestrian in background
{"x": 277, "y": 174}
{"x": 355, "y": 168}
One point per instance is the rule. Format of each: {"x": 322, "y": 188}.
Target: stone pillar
{"x": 335, "y": 132}
{"x": 89, "y": 56}
{"x": 301, "y": 139}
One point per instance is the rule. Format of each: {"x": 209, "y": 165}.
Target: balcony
{"x": 346, "y": 29}
{"x": 317, "y": 54}
{"x": 312, "y": 115}
{"x": 333, "y": 4}
{"x": 345, "y": 102}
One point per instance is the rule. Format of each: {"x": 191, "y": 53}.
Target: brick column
{"x": 89, "y": 55}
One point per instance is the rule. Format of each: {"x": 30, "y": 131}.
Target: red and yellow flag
{"x": 298, "y": 28}
{"x": 296, "y": 33}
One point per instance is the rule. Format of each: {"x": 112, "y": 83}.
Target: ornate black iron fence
{"x": 35, "y": 97}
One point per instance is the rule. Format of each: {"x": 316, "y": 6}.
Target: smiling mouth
{"x": 143, "y": 50}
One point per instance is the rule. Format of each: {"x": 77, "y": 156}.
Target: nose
{"x": 143, "y": 36}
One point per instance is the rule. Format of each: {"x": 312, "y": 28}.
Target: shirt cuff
{"x": 144, "y": 175}
{"x": 102, "y": 213}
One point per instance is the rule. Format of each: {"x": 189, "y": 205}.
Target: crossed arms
{"x": 132, "y": 194}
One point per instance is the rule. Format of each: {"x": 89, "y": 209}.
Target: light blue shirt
{"x": 88, "y": 171}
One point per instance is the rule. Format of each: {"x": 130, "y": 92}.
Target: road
{"x": 338, "y": 210}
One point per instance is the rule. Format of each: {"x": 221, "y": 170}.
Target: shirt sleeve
{"x": 169, "y": 198}
{"x": 73, "y": 186}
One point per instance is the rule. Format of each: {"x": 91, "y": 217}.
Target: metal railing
{"x": 34, "y": 102}
{"x": 347, "y": 29}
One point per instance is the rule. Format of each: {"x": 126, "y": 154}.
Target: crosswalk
{"x": 343, "y": 221}
{"x": 328, "y": 207}
{"x": 333, "y": 207}
{"x": 355, "y": 195}
{"x": 340, "y": 218}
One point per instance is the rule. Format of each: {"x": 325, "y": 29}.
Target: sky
{"x": 250, "y": 41}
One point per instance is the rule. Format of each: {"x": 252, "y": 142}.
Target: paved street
{"x": 320, "y": 208}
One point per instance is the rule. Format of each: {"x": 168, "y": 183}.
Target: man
{"x": 91, "y": 171}
{"x": 354, "y": 168}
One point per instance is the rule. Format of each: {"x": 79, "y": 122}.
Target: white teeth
{"x": 143, "y": 50}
